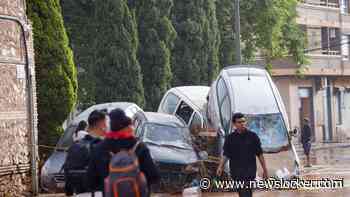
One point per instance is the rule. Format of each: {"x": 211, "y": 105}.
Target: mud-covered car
{"x": 171, "y": 148}
{"x": 52, "y": 176}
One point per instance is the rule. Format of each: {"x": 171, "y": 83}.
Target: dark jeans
{"x": 247, "y": 191}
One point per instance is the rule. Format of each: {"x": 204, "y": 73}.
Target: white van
{"x": 251, "y": 91}
{"x": 188, "y": 103}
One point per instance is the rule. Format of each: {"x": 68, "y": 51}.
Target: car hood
{"x": 54, "y": 163}
{"x": 172, "y": 154}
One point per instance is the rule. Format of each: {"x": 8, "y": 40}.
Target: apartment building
{"x": 323, "y": 94}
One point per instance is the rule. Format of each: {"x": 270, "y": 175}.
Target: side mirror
{"x": 293, "y": 132}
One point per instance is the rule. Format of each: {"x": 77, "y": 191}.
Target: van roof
{"x": 197, "y": 95}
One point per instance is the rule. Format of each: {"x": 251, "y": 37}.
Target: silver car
{"x": 251, "y": 91}
{"x": 52, "y": 176}
{"x": 171, "y": 148}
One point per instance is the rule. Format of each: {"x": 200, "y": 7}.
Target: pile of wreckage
{"x": 185, "y": 136}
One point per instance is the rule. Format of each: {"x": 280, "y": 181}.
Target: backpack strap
{"x": 133, "y": 149}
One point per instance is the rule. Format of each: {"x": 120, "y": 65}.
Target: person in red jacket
{"x": 120, "y": 137}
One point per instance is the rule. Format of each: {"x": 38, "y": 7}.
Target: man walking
{"x": 306, "y": 140}
{"x": 241, "y": 148}
{"x": 78, "y": 154}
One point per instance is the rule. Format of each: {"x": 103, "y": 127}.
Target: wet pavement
{"x": 326, "y": 163}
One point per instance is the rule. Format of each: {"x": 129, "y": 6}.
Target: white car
{"x": 251, "y": 91}
{"x": 188, "y": 103}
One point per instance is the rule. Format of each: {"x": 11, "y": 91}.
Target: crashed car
{"x": 170, "y": 145}
{"x": 250, "y": 90}
{"x": 188, "y": 103}
{"x": 52, "y": 175}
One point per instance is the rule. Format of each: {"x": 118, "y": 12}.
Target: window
{"x": 170, "y": 103}
{"x": 344, "y": 4}
{"x": 184, "y": 112}
{"x": 224, "y": 104}
{"x": 338, "y": 108}
{"x": 345, "y": 47}
{"x": 314, "y": 40}
{"x": 330, "y": 41}
{"x": 196, "y": 122}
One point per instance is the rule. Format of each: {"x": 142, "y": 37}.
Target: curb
{"x": 320, "y": 146}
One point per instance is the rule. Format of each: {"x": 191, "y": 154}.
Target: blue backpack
{"x": 125, "y": 178}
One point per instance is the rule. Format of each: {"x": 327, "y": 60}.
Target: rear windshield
{"x": 66, "y": 139}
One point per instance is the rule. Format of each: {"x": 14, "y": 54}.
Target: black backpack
{"x": 78, "y": 155}
{"x": 76, "y": 164}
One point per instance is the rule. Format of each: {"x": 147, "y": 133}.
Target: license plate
{"x": 60, "y": 185}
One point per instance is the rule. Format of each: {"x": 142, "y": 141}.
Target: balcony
{"x": 311, "y": 14}
{"x": 320, "y": 65}
{"x": 330, "y": 4}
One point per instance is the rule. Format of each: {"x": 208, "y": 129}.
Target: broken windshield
{"x": 271, "y": 130}
{"x": 166, "y": 135}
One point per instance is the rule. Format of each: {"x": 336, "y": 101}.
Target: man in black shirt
{"x": 241, "y": 148}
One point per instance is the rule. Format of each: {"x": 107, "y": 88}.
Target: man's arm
{"x": 260, "y": 155}
{"x": 221, "y": 166}
{"x": 263, "y": 165}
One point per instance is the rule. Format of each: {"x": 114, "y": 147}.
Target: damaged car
{"x": 52, "y": 175}
{"x": 171, "y": 148}
{"x": 249, "y": 89}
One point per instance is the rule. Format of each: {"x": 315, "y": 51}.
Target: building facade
{"x": 17, "y": 102}
{"x": 323, "y": 94}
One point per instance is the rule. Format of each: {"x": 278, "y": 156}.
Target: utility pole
{"x": 238, "y": 33}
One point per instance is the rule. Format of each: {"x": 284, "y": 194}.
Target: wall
{"x": 17, "y": 111}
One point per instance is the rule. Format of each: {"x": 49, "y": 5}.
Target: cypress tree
{"x": 55, "y": 70}
{"x": 156, "y": 36}
{"x": 195, "y": 56}
{"x": 80, "y": 24}
{"x": 225, "y": 17}
{"x": 117, "y": 71}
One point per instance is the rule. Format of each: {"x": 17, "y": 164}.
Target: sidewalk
{"x": 323, "y": 145}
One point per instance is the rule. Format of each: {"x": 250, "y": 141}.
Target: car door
{"x": 224, "y": 105}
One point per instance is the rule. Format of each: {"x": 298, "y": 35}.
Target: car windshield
{"x": 167, "y": 135}
{"x": 271, "y": 130}
{"x": 253, "y": 95}
{"x": 66, "y": 139}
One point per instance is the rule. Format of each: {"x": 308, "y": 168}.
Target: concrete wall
{"x": 17, "y": 112}
{"x": 288, "y": 87}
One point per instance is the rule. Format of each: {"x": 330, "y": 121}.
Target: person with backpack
{"x": 120, "y": 154}
{"x": 78, "y": 155}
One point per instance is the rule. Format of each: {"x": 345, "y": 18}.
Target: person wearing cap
{"x": 306, "y": 140}
{"x": 120, "y": 137}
